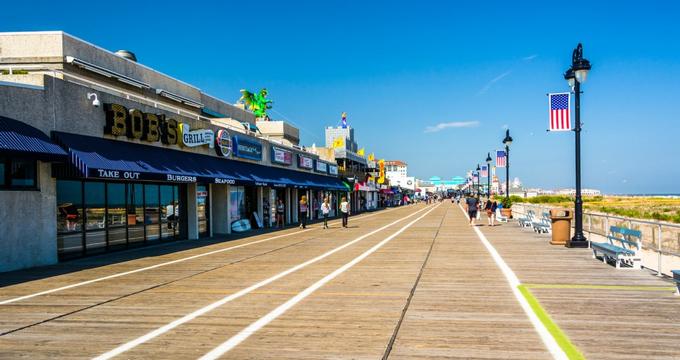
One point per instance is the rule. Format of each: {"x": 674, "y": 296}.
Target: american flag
{"x": 501, "y": 160}
{"x": 559, "y": 112}
{"x": 485, "y": 171}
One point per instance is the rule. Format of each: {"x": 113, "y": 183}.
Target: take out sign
{"x": 136, "y": 124}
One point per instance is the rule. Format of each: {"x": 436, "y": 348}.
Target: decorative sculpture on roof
{"x": 257, "y": 103}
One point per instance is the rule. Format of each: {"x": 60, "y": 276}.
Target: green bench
{"x": 526, "y": 220}
{"x": 543, "y": 225}
{"x": 622, "y": 246}
{"x": 676, "y": 278}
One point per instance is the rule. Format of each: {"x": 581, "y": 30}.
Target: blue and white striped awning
{"x": 20, "y": 139}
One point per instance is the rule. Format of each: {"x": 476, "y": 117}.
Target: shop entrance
{"x": 203, "y": 210}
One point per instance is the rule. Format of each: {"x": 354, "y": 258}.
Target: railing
{"x": 662, "y": 238}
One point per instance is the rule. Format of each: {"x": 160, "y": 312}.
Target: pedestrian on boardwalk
{"x": 344, "y": 209}
{"x": 471, "y": 203}
{"x": 280, "y": 208}
{"x": 490, "y": 207}
{"x": 303, "y": 212}
{"x": 325, "y": 210}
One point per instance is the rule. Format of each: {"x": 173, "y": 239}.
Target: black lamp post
{"x": 576, "y": 75}
{"x": 488, "y": 175}
{"x": 478, "y": 176}
{"x": 507, "y": 141}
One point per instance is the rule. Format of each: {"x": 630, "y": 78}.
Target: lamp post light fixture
{"x": 478, "y": 176}
{"x": 575, "y": 76}
{"x": 488, "y": 175}
{"x": 507, "y": 141}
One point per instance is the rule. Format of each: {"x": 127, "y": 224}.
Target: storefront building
{"x": 99, "y": 153}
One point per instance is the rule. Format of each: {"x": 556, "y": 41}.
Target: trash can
{"x": 561, "y": 226}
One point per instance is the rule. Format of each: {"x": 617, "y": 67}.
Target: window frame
{"x": 7, "y": 185}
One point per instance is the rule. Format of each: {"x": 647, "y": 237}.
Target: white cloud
{"x": 530, "y": 57}
{"x": 493, "y": 81}
{"x": 452, "y": 124}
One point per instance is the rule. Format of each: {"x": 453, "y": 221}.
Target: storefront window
{"x": 151, "y": 212}
{"x": 237, "y": 206}
{"x": 2, "y": 172}
{"x": 169, "y": 212}
{"x": 69, "y": 217}
{"x": 95, "y": 208}
{"x": 115, "y": 198}
{"x": 23, "y": 173}
{"x": 135, "y": 213}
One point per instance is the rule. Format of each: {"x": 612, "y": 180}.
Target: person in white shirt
{"x": 344, "y": 209}
{"x": 325, "y": 211}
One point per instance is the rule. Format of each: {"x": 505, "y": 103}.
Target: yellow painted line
{"x": 600, "y": 287}
{"x": 560, "y": 337}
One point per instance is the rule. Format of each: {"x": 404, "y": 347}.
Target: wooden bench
{"x": 623, "y": 246}
{"x": 676, "y": 278}
{"x": 544, "y": 225}
{"x": 526, "y": 220}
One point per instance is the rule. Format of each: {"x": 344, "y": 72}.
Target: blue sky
{"x": 400, "y": 69}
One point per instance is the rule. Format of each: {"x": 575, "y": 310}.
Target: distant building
{"x": 395, "y": 169}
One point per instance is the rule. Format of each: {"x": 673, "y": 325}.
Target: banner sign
{"x": 223, "y": 143}
{"x": 246, "y": 148}
{"x": 559, "y": 105}
{"x": 321, "y": 167}
{"x": 305, "y": 162}
{"x": 333, "y": 169}
{"x": 381, "y": 166}
{"x": 282, "y": 156}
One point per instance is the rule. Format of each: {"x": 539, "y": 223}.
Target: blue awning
{"x": 20, "y": 139}
{"x": 94, "y": 157}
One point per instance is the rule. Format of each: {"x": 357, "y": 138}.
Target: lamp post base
{"x": 575, "y": 242}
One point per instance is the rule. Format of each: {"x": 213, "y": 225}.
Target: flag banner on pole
{"x": 501, "y": 159}
{"x": 485, "y": 171}
{"x": 560, "y": 117}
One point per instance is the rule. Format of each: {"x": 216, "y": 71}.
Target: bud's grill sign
{"x": 282, "y": 156}
{"x": 305, "y": 162}
{"x": 223, "y": 143}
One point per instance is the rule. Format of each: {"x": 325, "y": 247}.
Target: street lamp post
{"x": 478, "y": 176}
{"x": 488, "y": 175}
{"x": 576, "y": 75}
{"x": 507, "y": 141}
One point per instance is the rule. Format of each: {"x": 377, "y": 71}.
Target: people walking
{"x": 344, "y": 209}
{"x": 280, "y": 208}
{"x": 471, "y": 203}
{"x": 490, "y": 207}
{"x": 303, "y": 212}
{"x": 325, "y": 211}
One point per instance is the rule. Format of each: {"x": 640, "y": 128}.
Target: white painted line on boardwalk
{"x": 113, "y": 276}
{"x": 549, "y": 341}
{"x": 144, "y": 338}
{"x": 263, "y": 321}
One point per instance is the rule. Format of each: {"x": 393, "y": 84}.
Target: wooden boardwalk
{"x": 412, "y": 282}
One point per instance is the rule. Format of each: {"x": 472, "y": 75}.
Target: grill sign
{"x": 223, "y": 143}
{"x": 193, "y": 138}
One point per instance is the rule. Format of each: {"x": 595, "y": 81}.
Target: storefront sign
{"x": 223, "y": 143}
{"x": 321, "y": 167}
{"x": 135, "y": 124}
{"x": 225, "y": 181}
{"x": 246, "y": 148}
{"x": 333, "y": 169}
{"x": 193, "y": 138}
{"x": 282, "y": 156}
{"x": 381, "y": 166}
{"x": 305, "y": 162}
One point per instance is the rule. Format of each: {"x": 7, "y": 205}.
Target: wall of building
{"x": 29, "y": 224}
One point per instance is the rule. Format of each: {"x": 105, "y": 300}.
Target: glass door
{"x": 203, "y": 208}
